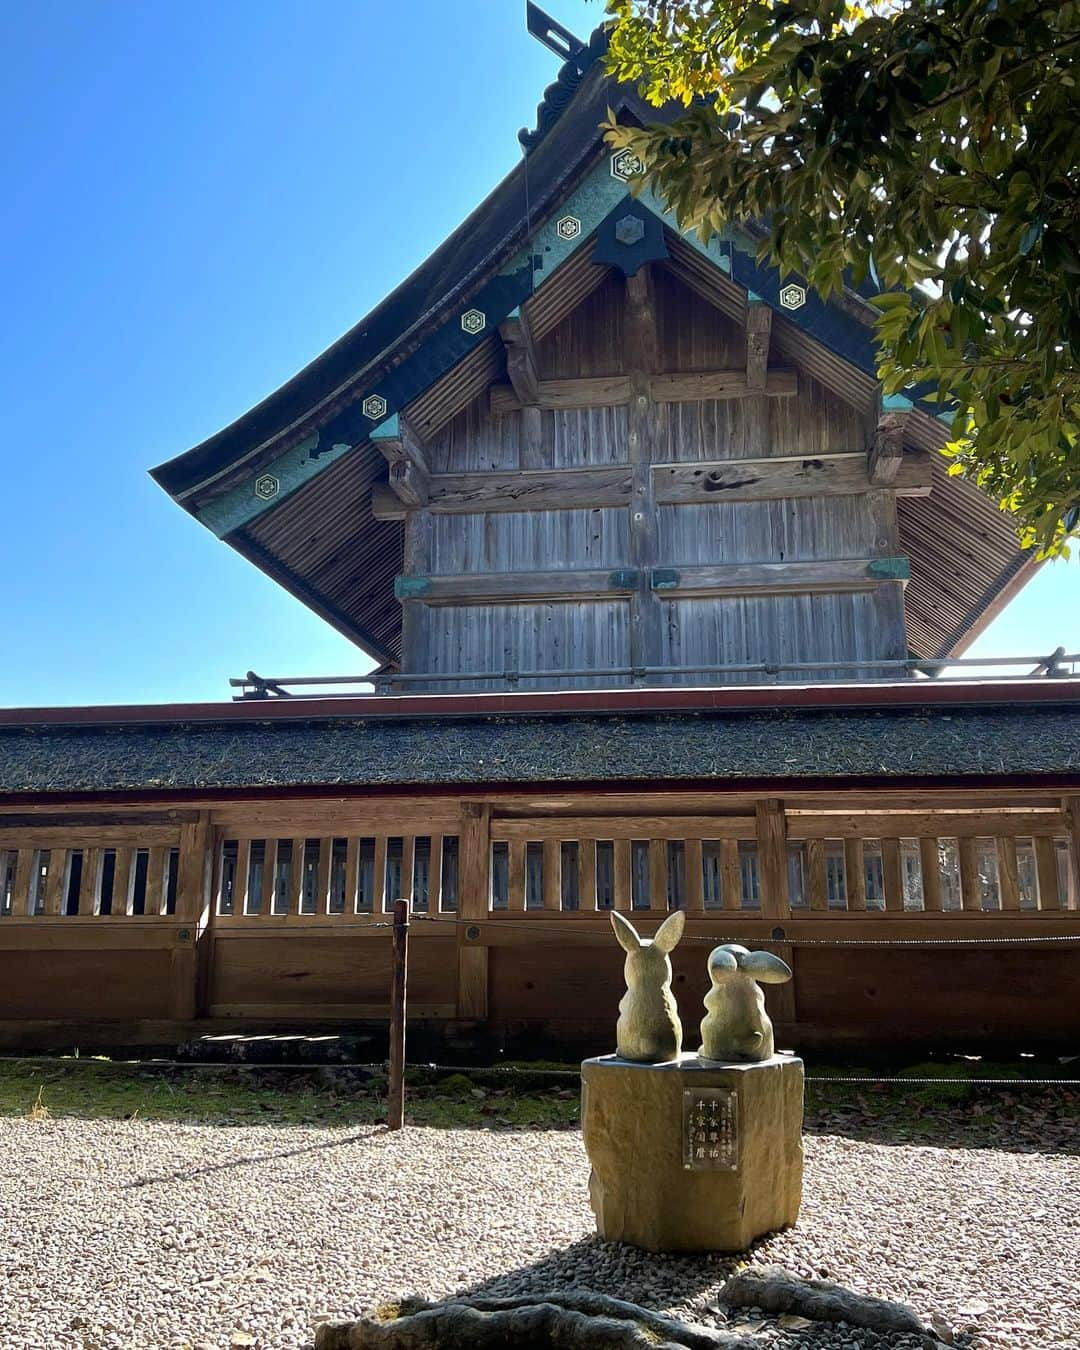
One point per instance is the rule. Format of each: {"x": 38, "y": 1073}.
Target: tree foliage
{"x": 931, "y": 147}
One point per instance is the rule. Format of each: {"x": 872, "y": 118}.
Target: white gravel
{"x": 141, "y": 1234}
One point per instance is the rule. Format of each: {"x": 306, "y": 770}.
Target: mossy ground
{"x": 531, "y": 1096}
{"x": 100, "y": 1089}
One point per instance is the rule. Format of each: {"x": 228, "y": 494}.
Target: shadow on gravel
{"x": 656, "y": 1281}
{"x": 686, "y": 1287}
{"x": 252, "y": 1159}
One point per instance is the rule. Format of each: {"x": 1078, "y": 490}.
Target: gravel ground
{"x": 141, "y": 1234}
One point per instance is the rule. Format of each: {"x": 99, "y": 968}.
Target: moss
{"x": 102, "y": 1090}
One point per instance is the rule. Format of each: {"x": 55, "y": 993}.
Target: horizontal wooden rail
{"x": 623, "y": 827}
{"x": 919, "y": 824}
{"x": 606, "y": 391}
{"x": 698, "y": 483}
{"x": 785, "y": 578}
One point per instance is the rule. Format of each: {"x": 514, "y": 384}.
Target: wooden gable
{"x": 302, "y": 486}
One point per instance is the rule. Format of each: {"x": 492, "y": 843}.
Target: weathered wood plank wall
{"x": 634, "y": 336}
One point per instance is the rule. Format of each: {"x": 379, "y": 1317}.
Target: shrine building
{"x": 664, "y": 600}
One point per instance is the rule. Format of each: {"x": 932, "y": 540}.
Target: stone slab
{"x": 693, "y": 1155}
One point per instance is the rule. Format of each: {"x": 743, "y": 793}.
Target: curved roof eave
{"x": 486, "y": 238}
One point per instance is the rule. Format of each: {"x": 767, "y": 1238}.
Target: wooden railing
{"x": 106, "y": 872}
{"x": 280, "y": 911}
{"x": 353, "y": 878}
{"x": 651, "y": 864}
{"x": 823, "y": 863}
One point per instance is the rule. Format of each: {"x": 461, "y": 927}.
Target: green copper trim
{"x": 889, "y": 569}
{"x": 411, "y": 588}
{"x": 546, "y": 249}
{"x": 390, "y": 430}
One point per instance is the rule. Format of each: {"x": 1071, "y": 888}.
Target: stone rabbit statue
{"x": 736, "y": 1025}
{"x": 649, "y": 1030}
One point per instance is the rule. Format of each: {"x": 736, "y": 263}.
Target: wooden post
{"x": 1046, "y": 871}
{"x": 1072, "y": 812}
{"x": 695, "y": 879}
{"x": 892, "y": 874}
{"x": 772, "y": 859}
{"x": 642, "y": 359}
{"x": 970, "y": 886}
{"x": 395, "y": 1098}
{"x": 474, "y": 852}
{"x": 1008, "y": 874}
{"x": 731, "y": 886}
{"x": 416, "y": 561}
{"x": 192, "y": 953}
{"x": 817, "y": 874}
{"x": 854, "y": 874}
{"x": 931, "y": 875}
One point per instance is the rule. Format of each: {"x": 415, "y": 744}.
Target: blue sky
{"x": 199, "y": 197}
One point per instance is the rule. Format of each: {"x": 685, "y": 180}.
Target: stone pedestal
{"x": 693, "y": 1155}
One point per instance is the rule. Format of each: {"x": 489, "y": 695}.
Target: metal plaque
{"x": 710, "y": 1129}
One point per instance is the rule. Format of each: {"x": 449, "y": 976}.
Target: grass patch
{"x": 519, "y": 1096}
{"x": 103, "y": 1090}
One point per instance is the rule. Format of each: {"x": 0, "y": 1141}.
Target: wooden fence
{"x": 146, "y": 927}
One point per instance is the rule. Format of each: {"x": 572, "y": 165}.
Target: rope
{"x": 508, "y": 1070}
{"x": 715, "y": 940}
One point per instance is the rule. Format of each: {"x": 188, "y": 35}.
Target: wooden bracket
{"x": 887, "y": 449}
{"x": 403, "y": 450}
{"x": 521, "y": 364}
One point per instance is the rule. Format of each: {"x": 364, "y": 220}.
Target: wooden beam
{"x": 758, "y": 331}
{"x": 886, "y": 452}
{"x": 741, "y": 480}
{"x": 605, "y": 391}
{"x": 786, "y": 578}
{"x": 928, "y": 824}
{"x": 521, "y": 364}
{"x": 623, "y": 827}
{"x": 544, "y": 490}
{"x": 508, "y": 587}
{"x": 599, "y": 391}
{"x": 844, "y": 472}
{"x": 721, "y": 384}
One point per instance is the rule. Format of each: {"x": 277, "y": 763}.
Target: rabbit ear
{"x": 723, "y": 958}
{"x": 765, "y": 968}
{"x": 625, "y": 932}
{"x": 670, "y": 931}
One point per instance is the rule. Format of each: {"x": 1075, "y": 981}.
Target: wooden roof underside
{"x": 323, "y": 543}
